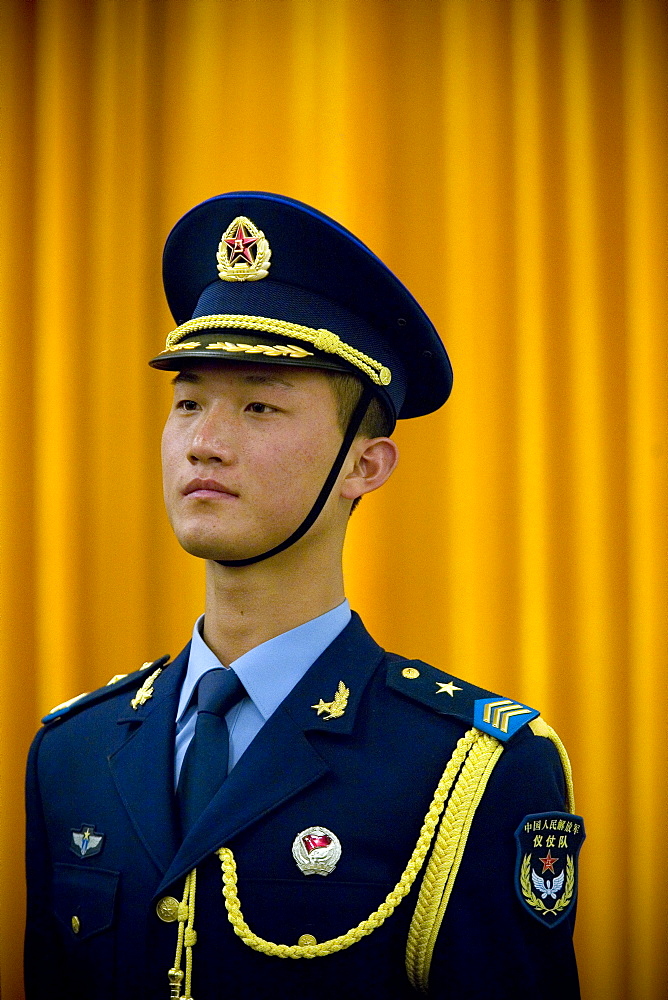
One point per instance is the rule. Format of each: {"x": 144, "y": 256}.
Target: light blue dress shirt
{"x": 268, "y": 673}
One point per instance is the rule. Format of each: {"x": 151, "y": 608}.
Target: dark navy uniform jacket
{"x": 368, "y": 776}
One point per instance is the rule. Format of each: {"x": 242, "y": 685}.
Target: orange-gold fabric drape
{"x": 507, "y": 158}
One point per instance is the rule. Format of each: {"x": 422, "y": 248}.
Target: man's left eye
{"x": 259, "y": 408}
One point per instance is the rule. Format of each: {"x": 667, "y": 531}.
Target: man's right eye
{"x": 186, "y": 404}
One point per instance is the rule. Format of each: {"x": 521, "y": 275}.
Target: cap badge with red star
{"x": 243, "y": 252}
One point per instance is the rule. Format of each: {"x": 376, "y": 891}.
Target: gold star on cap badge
{"x": 448, "y": 688}
{"x": 243, "y": 252}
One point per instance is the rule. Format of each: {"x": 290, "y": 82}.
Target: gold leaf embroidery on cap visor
{"x": 276, "y": 350}
{"x": 271, "y": 350}
{"x": 322, "y": 340}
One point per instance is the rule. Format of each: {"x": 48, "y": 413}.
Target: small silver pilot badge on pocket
{"x": 316, "y": 851}
{"x": 85, "y": 842}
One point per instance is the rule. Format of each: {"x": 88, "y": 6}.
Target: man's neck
{"x": 246, "y": 606}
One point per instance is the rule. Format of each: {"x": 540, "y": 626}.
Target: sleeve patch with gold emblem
{"x": 546, "y": 874}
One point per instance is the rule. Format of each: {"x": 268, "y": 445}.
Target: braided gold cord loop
{"x": 566, "y": 764}
{"x": 190, "y": 937}
{"x": 539, "y": 727}
{"x": 323, "y": 340}
{"x": 392, "y": 900}
{"x": 186, "y": 938}
{"x": 446, "y": 857}
{"x": 468, "y": 770}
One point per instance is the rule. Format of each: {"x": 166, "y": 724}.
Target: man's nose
{"x": 212, "y": 441}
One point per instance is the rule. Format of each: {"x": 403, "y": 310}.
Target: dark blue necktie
{"x": 204, "y": 767}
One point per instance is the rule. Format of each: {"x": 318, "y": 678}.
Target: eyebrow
{"x": 186, "y": 377}
{"x": 261, "y": 379}
{"x": 254, "y": 378}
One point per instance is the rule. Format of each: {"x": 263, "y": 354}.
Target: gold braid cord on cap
{"x": 322, "y": 340}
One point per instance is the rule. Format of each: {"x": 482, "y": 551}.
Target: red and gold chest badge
{"x": 316, "y": 850}
{"x": 546, "y": 875}
{"x": 243, "y": 252}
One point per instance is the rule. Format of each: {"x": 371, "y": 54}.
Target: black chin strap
{"x": 311, "y": 517}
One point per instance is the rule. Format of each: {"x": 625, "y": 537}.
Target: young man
{"x": 286, "y": 810}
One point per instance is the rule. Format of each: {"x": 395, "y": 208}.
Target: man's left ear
{"x": 374, "y": 462}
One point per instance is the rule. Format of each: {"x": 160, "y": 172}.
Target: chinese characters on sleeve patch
{"x": 546, "y": 874}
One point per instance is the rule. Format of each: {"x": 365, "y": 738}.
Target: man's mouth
{"x": 207, "y": 487}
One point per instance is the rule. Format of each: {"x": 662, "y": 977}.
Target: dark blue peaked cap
{"x": 256, "y": 276}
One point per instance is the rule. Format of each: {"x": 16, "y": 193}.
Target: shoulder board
{"x": 489, "y": 712}
{"x": 118, "y": 683}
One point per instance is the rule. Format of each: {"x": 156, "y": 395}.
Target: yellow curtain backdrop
{"x": 507, "y": 158}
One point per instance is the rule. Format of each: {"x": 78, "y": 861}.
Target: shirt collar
{"x": 271, "y": 670}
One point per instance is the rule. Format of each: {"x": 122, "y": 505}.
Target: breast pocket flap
{"x": 84, "y": 899}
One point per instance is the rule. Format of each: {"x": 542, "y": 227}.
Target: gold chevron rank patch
{"x": 546, "y": 873}
{"x": 501, "y": 717}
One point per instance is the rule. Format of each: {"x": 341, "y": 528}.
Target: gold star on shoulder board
{"x": 448, "y": 688}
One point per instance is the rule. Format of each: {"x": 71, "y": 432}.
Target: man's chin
{"x": 217, "y": 550}
{"x": 203, "y": 549}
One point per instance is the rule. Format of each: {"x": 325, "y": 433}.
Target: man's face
{"x": 245, "y": 451}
